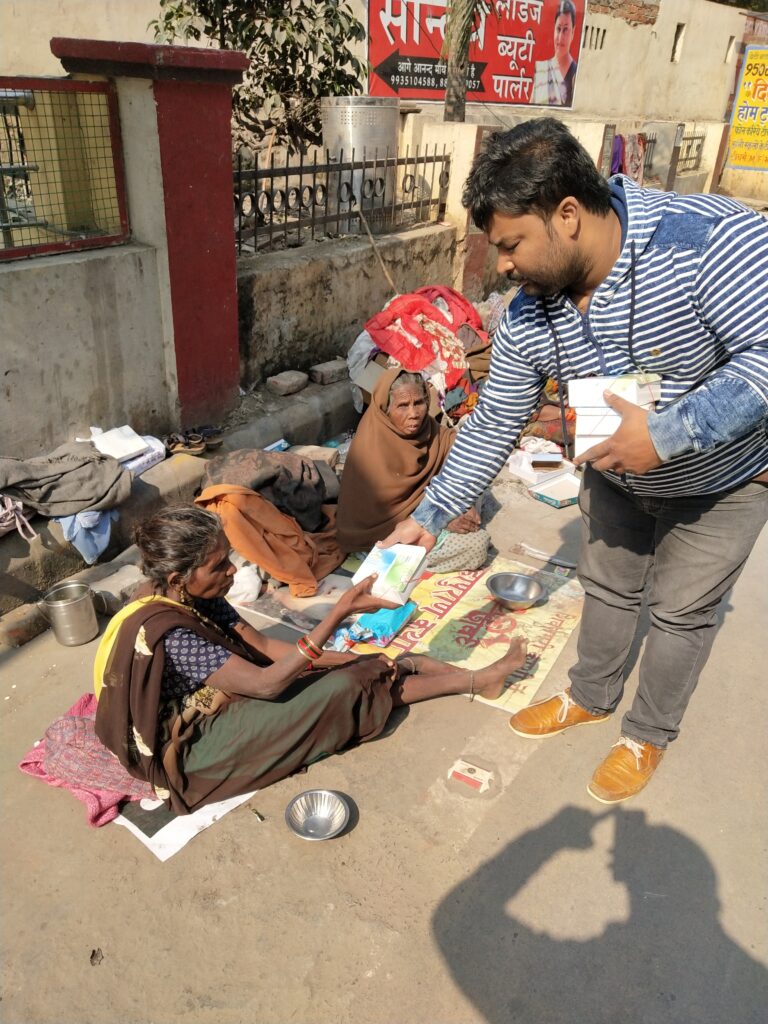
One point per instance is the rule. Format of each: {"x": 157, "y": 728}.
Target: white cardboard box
{"x": 583, "y": 443}
{"x": 640, "y": 390}
{"x": 520, "y": 464}
{"x": 562, "y": 491}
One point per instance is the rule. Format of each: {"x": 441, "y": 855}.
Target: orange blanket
{"x": 273, "y": 541}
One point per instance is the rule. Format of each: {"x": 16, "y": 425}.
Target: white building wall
{"x": 27, "y": 26}
{"x": 633, "y": 74}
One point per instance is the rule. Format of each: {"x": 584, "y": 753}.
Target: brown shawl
{"x": 273, "y": 541}
{"x": 128, "y": 718}
{"x": 385, "y": 474}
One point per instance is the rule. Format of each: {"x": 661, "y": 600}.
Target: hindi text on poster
{"x": 748, "y": 139}
{"x": 522, "y": 51}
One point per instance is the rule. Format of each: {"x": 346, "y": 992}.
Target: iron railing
{"x": 650, "y": 147}
{"x": 289, "y": 204}
{"x": 691, "y": 150}
{"x": 61, "y": 169}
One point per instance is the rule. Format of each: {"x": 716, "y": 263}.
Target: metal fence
{"x": 61, "y": 177}
{"x": 290, "y": 204}
{"x": 691, "y": 149}
{"x": 650, "y": 147}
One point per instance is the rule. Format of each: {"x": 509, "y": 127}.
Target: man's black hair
{"x": 530, "y": 169}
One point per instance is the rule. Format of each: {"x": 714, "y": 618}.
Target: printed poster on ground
{"x": 748, "y": 138}
{"x": 523, "y": 52}
{"x": 458, "y": 622}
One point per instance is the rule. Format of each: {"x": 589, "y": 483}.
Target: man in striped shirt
{"x": 618, "y": 279}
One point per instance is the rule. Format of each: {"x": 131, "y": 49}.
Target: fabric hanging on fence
{"x": 634, "y": 157}
{"x": 628, "y": 156}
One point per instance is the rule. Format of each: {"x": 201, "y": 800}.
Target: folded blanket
{"x": 72, "y": 757}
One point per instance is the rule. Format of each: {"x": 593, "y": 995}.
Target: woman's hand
{"x": 469, "y": 522}
{"x": 360, "y": 599}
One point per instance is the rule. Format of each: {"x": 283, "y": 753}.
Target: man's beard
{"x": 563, "y": 273}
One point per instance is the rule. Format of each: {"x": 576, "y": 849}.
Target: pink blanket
{"x": 72, "y": 757}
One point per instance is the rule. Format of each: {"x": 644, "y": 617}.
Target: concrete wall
{"x": 633, "y": 74}
{"x": 80, "y": 347}
{"x": 305, "y": 305}
{"x": 751, "y": 184}
{"x": 26, "y": 27}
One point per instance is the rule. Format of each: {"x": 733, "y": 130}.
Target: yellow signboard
{"x": 748, "y": 140}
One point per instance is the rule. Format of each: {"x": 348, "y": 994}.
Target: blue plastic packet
{"x": 381, "y": 627}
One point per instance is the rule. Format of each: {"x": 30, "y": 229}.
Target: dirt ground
{"x": 529, "y": 903}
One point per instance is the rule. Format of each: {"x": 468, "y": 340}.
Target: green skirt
{"x": 252, "y": 743}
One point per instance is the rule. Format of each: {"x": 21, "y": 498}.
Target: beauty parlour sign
{"x": 748, "y": 139}
{"x": 523, "y": 52}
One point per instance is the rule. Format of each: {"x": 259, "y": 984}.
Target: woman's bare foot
{"x": 489, "y": 681}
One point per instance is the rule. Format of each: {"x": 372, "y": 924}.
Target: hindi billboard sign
{"x": 523, "y": 52}
{"x": 748, "y": 139}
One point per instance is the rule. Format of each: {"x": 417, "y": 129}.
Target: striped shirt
{"x": 700, "y": 268}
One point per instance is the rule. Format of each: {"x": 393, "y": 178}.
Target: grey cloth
{"x": 73, "y": 478}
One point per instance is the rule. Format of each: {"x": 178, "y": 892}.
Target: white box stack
{"x": 595, "y": 419}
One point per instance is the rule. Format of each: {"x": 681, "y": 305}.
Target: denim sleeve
{"x": 721, "y": 410}
{"x": 730, "y": 295}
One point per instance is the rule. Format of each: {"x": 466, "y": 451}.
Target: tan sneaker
{"x": 551, "y": 716}
{"x": 627, "y": 769}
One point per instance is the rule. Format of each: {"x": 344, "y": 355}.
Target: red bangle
{"x": 308, "y": 649}
{"x": 311, "y": 645}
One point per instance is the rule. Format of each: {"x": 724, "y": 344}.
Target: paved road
{"x": 528, "y": 903}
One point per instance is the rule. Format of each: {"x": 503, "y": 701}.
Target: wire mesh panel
{"x": 60, "y": 167}
{"x": 290, "y": 204}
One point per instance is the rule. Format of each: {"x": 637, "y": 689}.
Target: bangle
{"x": 308, "y": 649}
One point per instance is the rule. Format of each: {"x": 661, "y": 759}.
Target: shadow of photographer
{"x": 669, "y": 961}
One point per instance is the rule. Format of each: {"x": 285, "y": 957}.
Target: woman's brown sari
{"x": 216, "y": 746}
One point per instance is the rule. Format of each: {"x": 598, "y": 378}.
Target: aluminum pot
{"x": 70, "y": 610}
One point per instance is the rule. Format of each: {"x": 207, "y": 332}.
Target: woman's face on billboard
{"x": 564, "y": 29}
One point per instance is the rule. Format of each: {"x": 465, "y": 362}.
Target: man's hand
{"x": 409, "y": 532}
{"x": 630, "y": 449}
{"x": 467, "y": 523}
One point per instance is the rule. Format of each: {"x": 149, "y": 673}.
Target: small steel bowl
{"x": 514, "y": 590}
{"x": 317, "y": 814}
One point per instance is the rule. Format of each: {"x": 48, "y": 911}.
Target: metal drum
{"x": 368, "y": 125}
{"x": 69, "y": 609}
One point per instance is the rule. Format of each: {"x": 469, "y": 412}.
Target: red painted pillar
{"x": 192, "y": 89}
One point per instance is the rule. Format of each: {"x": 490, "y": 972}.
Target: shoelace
{"x": 633, "y": 746}
{"x": 566, "y": 703}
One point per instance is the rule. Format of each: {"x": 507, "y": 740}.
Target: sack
{"x": 12, "y": 518}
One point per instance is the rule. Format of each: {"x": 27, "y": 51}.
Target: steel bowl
{"x": 514, "y": 590}
{"x": 317, "y": 814}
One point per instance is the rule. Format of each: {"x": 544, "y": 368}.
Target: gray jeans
{"x": 693, "y": 550}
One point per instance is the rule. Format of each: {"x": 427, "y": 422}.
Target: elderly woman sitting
{"x": 396, "y": 451}
{"x": 203, "y": 707}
